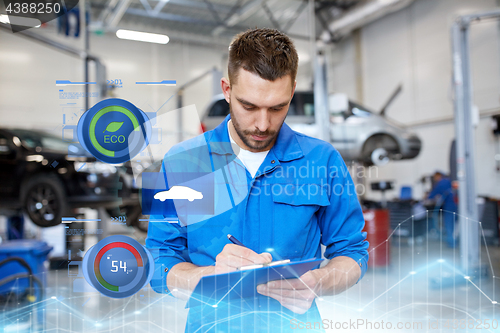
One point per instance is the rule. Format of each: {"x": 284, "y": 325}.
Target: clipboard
{"x": 213, "y": 289}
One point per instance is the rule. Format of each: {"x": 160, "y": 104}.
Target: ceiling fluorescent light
{"x": 19, "y": 20}
{"x": 4, "y": 19}
{"x": 142, "y": 36}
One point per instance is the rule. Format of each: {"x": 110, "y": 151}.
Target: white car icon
{"x": 179, "y": 192}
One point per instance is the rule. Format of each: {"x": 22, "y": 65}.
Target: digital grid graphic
{"x": 396, "y": 296}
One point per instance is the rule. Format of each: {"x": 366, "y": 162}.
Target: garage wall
{"x": 413, "y": 47}
{"x": 28, "y": 71}
{"x": 29, "y": 97}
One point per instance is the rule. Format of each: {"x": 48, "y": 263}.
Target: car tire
{"x": 379, "y": 157}
{"x": 133, "y": 214}
{"x": 375, "y": 144}
{"x": 44, "y": 200}
{"x": 141, "y": 225}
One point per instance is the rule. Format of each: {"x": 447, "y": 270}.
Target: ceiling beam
{"x": 296, "y": 15}
{"x": 107, "y": 10}
{"x": 242, "y": 14}
{"x": 146, "y": 5}
{"x": 170, "y": 17}
{"x": 270, "y": 15}
{"x": 159, "y": 6}
{"x": 117, "y": 14}
{"x": 213, "y": 12}
{"x": 198, "y": 5}
{"x": 191, "y": 20}
{"x": 364, "y": 14}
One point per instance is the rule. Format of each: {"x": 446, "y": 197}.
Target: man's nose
{"x": 262, "y": 122}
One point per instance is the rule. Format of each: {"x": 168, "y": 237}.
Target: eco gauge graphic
{"x": 114, "y": 130}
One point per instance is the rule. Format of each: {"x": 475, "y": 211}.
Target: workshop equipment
{"x": 404, "y": 221}
{"x": 382, "y": 186}
{"x": 377, "y": 234}
{"x": 22, "y": 266}
{"x": 488, "y": 216}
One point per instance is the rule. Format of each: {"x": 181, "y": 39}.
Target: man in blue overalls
{"x": 281, "y": 193}
{"x": 443, "y": 193}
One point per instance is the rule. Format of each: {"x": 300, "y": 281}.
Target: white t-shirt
{"x": 250, "y": 160}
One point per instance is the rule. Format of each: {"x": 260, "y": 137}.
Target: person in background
{"x": 442, "y": 192}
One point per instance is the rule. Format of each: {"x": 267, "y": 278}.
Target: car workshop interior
{"x": 407, "y": 91}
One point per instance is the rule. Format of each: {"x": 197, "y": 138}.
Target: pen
{"x": 234, "y": 240}
{"x": 274, "y": 263}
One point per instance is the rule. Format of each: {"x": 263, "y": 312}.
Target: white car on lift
{"x": 356, "y": 132}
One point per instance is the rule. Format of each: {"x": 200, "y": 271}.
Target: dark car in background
{"x": 47, "y": 177}
{"x": 132, "y": 209}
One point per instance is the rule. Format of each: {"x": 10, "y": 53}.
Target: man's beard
{"x": 245, "y": 135}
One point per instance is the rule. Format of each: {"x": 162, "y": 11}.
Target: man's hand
{"x": 184, "y": 276}
{"x": 234, "y": 256}
{"x": 296, "y": 295}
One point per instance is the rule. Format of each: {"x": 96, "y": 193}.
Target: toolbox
{"x": 14, "y": 256}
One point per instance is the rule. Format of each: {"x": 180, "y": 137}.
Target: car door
{"x": 9, "y": 182}
{"x": 348, "y": 134}
{"x": 218, "y": 110}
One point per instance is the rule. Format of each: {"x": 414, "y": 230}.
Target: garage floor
{"x": 404, "y": 294}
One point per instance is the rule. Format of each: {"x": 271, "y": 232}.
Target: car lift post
{"x": 320, "y": 83}
{"x": 180, "y": 94}
{"x": 464, "y": 132}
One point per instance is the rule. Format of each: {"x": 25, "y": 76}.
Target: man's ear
{"x": 294, "y": 86}
{"x": 226, "y": 88}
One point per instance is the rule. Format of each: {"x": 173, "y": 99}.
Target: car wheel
{"x": 133, "y": 214}
{"x": 134, "y": 217}
{"x": 142, "y": 225}
{"x": 43, "y": 197}
{"x": 378, "y": 149}
{"x": 379, "y": 157}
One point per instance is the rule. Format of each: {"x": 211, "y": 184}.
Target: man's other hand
{"x": 234, "y": 256}
{"x": 296, "y": 295}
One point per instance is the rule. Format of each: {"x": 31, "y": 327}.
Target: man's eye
{"x": 276, "y": 109}
{"x": 249, "y": 108}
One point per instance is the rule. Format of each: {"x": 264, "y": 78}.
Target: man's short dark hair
{"x": 268, "y": 53}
